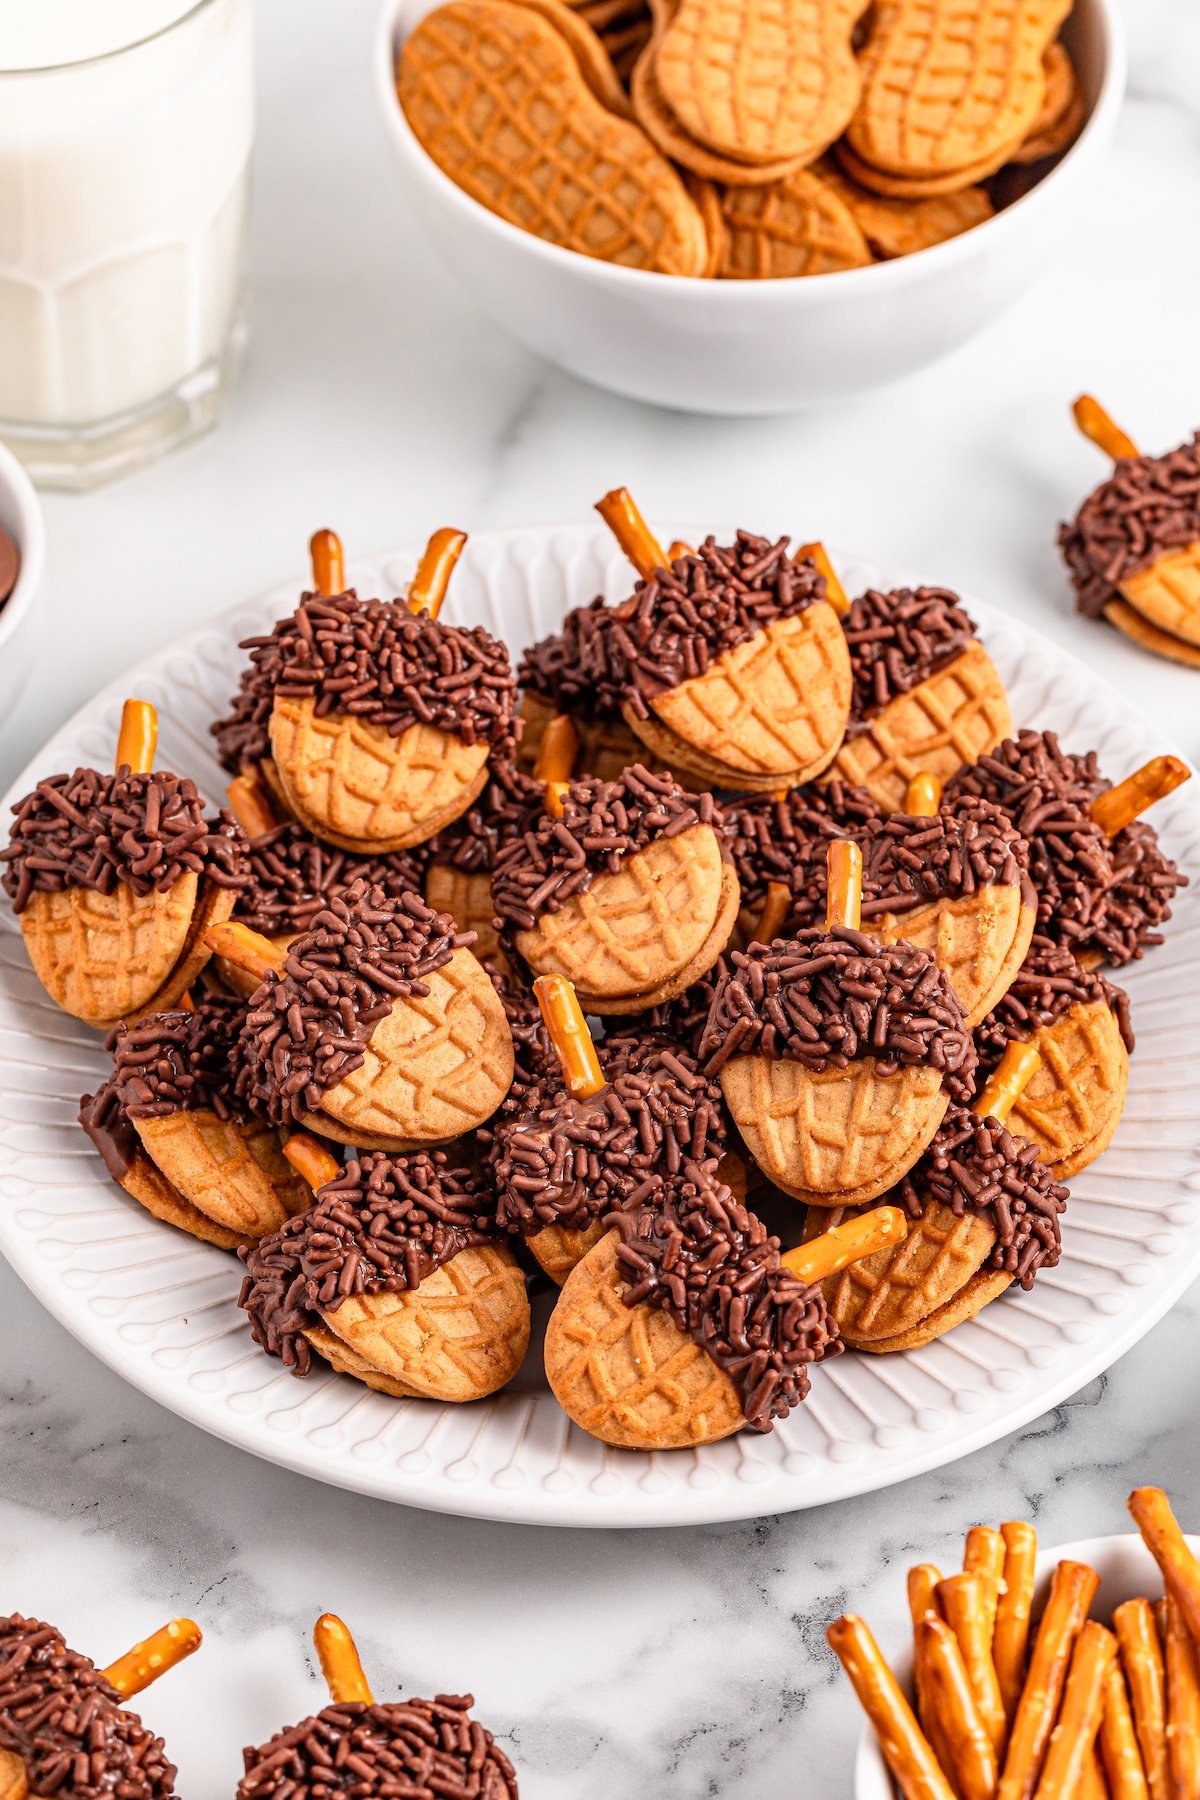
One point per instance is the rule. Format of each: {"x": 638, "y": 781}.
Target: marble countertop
{"x": 377, "y": 400}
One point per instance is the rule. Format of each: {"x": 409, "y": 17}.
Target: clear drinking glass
{"x": 125, "y": 137}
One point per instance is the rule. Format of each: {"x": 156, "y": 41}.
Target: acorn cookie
{"x": 732, "y": 663}
{"x": 628, "y": 892}
{"x": 397, "y": 1274}
{"x": 569, "y": 673}
{"x": 378, "y": 1027}
{"x": 684, "y": 1324}
{"x": 768, "y": 834}
{"x": 175, "y": 1134}
{"x": 115, "y": 879}
{"x": 358, "y": 1746}
{"x": 593, "y": 1132}
{"x": 838, "y": 1055}
{"x": 927, "y": 697}
{"x": 1079, "y": 1024}
{"x": 63, "y": 1727}
{"x": 984, "y": 1211}
{"x": 373, "y": 720}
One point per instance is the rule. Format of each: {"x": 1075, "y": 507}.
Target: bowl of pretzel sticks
{"x": 1064, "y": 1674}
{"x": 831, "y": 218}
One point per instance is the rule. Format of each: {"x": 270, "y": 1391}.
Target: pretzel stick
{"x": 922, "y": 1604}
{"x": 1095, "y": 424}
{"x": 1167, "y": 1545}
{"x": 966, "y": 1610}
{"x": 619, "y": 512}
{"x": 923, "y": 796}
{"x": 311, "y": 1160}
{"x": 973, "y": 1757}
{"x": 1072, "y": 1591}
{"x": 169, "y": 1645}
{"x": 775, "y": 909}
{"x": 555, "y": 760}
{"x": 1010, "y": 1640}
{"x": 427, "y": 589}
{"x": 1183, "y": 1704}
{"x": 879, "y": 1229}
{"x": 250, "y": 805}
{"x": 1119, "y": 1750}
{"x": 328, "y": 563}
{"x": 185, "y": 1003}
{"x": 1142, "y": 1658}
{"x": 245, "y": 949}
{"x": 1073, "y": 1739}
{"x": 678, "y": 549}
{"x": 340, "y": 1665}
{"x": 835, "y": 593}
{"x": 905, "y": 1747}
{"x": 1093, "y": 1785}
{"x": 554, "y": 798}
{"x": 983, "y": 1554}
{"x": 1008, "y": 1082}
{"x": 569, "y": 1035}
{"x": 843, "y": 905}
{"x": 1121, "y": 805}
{"x": 137, "y": 739}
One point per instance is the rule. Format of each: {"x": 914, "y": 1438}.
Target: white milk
{"x": 125, "y": 136}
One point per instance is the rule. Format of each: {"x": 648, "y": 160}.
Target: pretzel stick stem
{"x": 619, "y": 511}
{"x": 1010, "y": 1638}
{"x": 328, "y": 563}
{"x": 923, "y": 1604}
{"x": 923, "y": 796}
{"x": 679, "y": 549}
{"x": 569, "y": 1035}
{"x": 775, "y": 909}
{"x": 1008, "y": 1081}
{"x": 835, "y": 593}
{"x": 973, "y": 1756}
{"x": 879, "y": 1229}
{"x": 311, "y": 1160}
{"x": 1119, "y": 1752}
{"x": 251, "y": 806}
{"x": 245, "y": 949}
{"x": 427, "y": 589}
{"x": 843, "y": 905}
{"x": 905, "y": 1747}
{"x": 983, "y": 1554}
{"x": 1183, "y": 1704}
{"x": 340, "y": 1664}
{"x": 1142, "y": 1660}
{"x": 1166, "y": 1543}
{"x": 1074, "y": 1736}
{"x": 964, "y": 1602}
{"x": 146, "y": 1661}
{"x": 1072, "y": 1591}
{"x": 1121, "y": 805}
{"x": 557, "y": 751}
{"x": 1103, "y": 431}
{"x": 137, "y": 739}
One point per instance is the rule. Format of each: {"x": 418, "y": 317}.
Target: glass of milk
{"x": 125, "y": 135}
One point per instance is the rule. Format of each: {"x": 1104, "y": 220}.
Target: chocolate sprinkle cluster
{"x": 899, "y": 639}
{"x": 572, "y": 668}
{"x": 1149, "y": 506}
{"x": 767, "y": 834}
{"x": 408, "y": 1750}
{"x": 676, "y": 625}
{"x": 307, "y": 1027}
{"x": 684, "y": 1019}
{"x": 89, "y": 830}
{"x": 689, "y": 1247}
{"x": 510, "y": 804}
{"x": 379, "y": 662}
{"x": 977, "y": 1165}
{"x": 293, "y": 875}
{"x": 533, "y": 1053}
{"x": 105, "y": 1120}
{"x": 66, "y": 1724}
{"x": 1048, "y": 984}
{"x": 1093, "y": 895}
{"x": 180, "y": 1061}
{"x": 384, "y": 1225}
{"x": 560, "y": 1161}
{"x": 824, "y": 998}
{"x": 602, "y": 823}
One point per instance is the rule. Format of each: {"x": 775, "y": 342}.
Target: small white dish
{"x": 1126, "y": 1570}
{"x": 21, "y": 517}
{"x": 753, "y": 347}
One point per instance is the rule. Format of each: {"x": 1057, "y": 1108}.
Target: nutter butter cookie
{"x": 732, "y": 663}
{"x": 115, "y": 879}
{"x": 927, "y": 697}
{"x": 377, "y": 1027}
{"x": 397, "y": 1274}
{"x": 628, "y": 892}
{"x": 174, "y": 1132}
{"x": 374, "y": 720}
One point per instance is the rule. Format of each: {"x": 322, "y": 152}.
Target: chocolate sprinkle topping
{"x": 1048, "y": 984}
{"x": 685, "y": 1019}
{"x": 293, "y": 876}
{"x": 899, "y": 639}
{"x": 376, "y": 660}
{"x": 978, "y": 1166}
{"x": 533, "y": 1053}
{"x": 560, "y": 1161}
{"x": 66, "y": 1724}
{"x": 407, "y": 1750}
{"x": 676, "y": 625}
{"x": 825, "y": 998}
{"x": 104, "y": 1119}
{"x": 602, "y": 823}
{"x": 307, "y": 1028}
{"x": 1148, "y": 507}
{"x": 689, "y": 1247}
{"x": 180, "y": 1061}
{"x": 767, "y": 834}
{"x": 510, "y": 804}
{"x": 384, "y": 1225}
{"x": 572, "y": 669}
{"x": 89, "y": 830}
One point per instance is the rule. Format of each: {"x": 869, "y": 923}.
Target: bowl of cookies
{"x": 678, "y": 201}
{"x": 22, "y": 552}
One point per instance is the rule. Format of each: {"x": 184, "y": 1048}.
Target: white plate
{"x": 161, "y": 1309}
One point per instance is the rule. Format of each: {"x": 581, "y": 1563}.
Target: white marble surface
{"x": 378, "y": 401}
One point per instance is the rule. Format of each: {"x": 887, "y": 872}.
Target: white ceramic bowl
{"x": 752, "y": 347}
{"x": 21, "y": 517}
{"x": 1126, "y": 1569}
